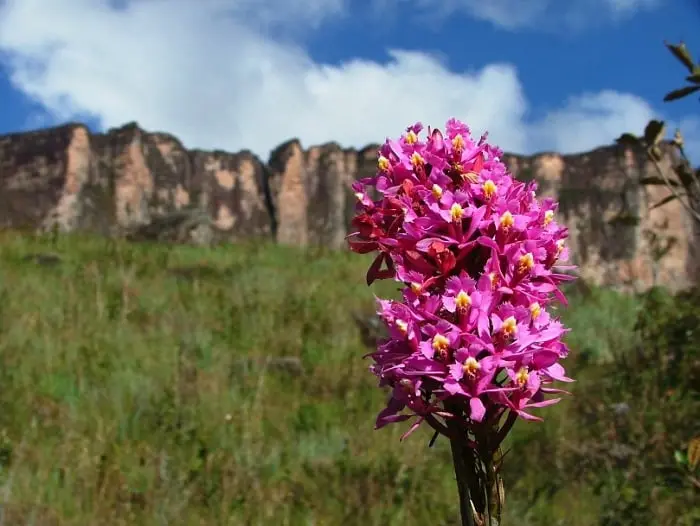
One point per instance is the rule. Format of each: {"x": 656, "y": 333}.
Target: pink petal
{"x": 415, "y": 426}
{"x": 477, "y": 409}
{"x": 544, "y": 359}
{"x": 557, "y": 372}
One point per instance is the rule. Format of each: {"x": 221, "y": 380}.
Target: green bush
{"x": 637, "y": 416}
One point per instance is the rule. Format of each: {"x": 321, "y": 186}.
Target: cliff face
{"x": 130, "y": 180}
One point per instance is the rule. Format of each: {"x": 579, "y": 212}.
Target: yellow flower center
{"x": 456, "y": 212}
{"x": 416, "y": 288}
{"x": 535, "y": 310}
{"x": 510, "y": 327}
{"x": 417, "y": 160}
{"x": 522, "y": 376}
{"x": 458, "y": 143}
{"x": 493, "y": 279}
{"x": 471, "y": 366}
{"x": 526, "y": 262}
{"x": 463, "y": 300}
{"x": 470, "y": 177}
{"x": 360, "y": 196}
{"x": 507, "y": 220}
{"x": 383, "y": 163}
{"x": 411, "y": 137}
{"x": 402, "y": 326}
{"x": 548, "y": 217}
{"x": 489, "y": 188}
{"x": 440, "y": 343}
{"x": 437, "y": 191}
{"x": 560, "y": 246}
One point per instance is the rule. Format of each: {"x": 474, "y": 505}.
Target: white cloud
{"x": 211, "y": 73}
{"x": 580, "y": 124}
{"x": 629, "y": 6}
{"x": 548, "y": 15}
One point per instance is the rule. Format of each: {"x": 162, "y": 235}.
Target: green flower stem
{"x": 463, "y": 460}
{"x": 478, "y": 483}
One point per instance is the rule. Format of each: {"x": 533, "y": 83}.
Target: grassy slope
{"x": 134, "y": 391}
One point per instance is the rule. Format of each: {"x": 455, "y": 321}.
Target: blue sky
{"x": 233, "y": 74}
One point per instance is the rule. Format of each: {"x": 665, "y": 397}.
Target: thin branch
{"x": 687, "y": 207}
{"x": 690, "y": 165}
{"x": 695, "y": 481}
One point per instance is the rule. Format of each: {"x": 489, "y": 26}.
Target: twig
{"x": 694, "y": 481}
{"x": 687, "y": 207}
{"x": 687, "y": 161}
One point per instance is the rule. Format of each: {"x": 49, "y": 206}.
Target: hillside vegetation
{"x": 150, "y": 384}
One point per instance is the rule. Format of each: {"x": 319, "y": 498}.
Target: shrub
{"x": 638, "y": 416}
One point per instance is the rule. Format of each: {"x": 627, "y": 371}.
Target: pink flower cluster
{"x": 476, "y": 252}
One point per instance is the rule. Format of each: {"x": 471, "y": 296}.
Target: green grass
{"x": 137, "y": 387}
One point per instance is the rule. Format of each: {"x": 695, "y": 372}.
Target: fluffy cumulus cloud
{"x": 216, "y": 74}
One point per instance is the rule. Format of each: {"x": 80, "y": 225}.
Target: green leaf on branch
{"x": 680, "y": 51}
{"x": 680, "y": 93}
{"x": 695, "y": 77}
{"x": 654, "y": 132}
{"x": 680, "y": 457}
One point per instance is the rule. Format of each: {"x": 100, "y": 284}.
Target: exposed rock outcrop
{"x": 149, "y": 186}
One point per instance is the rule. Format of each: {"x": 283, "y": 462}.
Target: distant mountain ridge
{"x": 128, "y": 181}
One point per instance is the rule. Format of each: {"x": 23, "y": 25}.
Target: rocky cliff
{"x": 129, "y": 181}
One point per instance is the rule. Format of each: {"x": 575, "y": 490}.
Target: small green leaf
{"x": 681, "y": 52}
{"x": 654, "y": 132}
{"x": 680, "y": 93}
{"x": 665, "y": 200}
{"x": 628, "y": 494}
{"x": 680, "y": 458}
